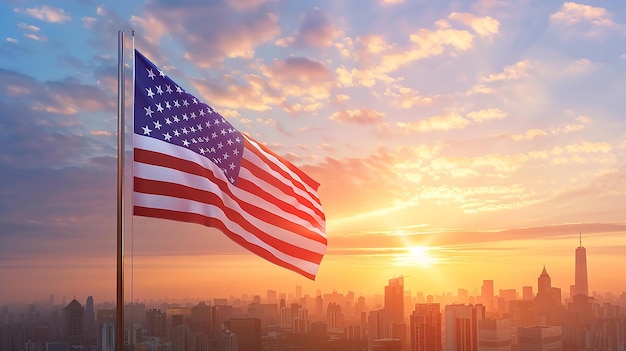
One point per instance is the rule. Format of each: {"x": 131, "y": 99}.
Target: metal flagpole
{"x": 119, "y": 333}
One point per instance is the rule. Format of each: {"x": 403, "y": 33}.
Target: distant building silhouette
{"x": 539, "y": 338}
{"x": 156, "y": 323}
{"x": 248, "y": 331}
{"x": 90, "y": 322}
{"x": 394, "y": 299}
{"x": 388, "y": 344}
{"x": 74, "y": 327}
{"x": 462, "y": 326}
{"x": 494, "y": 335}
{"x": 425, "y": 326}
{"x": 580, "y": 280}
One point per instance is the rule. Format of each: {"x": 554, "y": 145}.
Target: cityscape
{"x": 539, "y": 317}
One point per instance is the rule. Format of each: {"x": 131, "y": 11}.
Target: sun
{"x": 416, "y": 256}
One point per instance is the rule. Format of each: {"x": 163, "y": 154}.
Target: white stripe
{"x": 176, "y": 204}
{"x": 170, "y": 175}
{"x": 148, "y": 143}
{"x": 286, "y": 169}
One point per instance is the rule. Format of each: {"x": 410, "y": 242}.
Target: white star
{"x": 193, "y": 115}
{"x": 207, "y": 124}
{"x": 185, "y": 117}
{"x": 235, "y": 152}
{"x": 223, "y": 132}
{"x": 184, "y": 130}
{"x": 167, "y": 105}
{"x": 149, "y": 111}
{"x": 192, "y": 129}
{"x": 231, "y": 166}
{"x": 199, "y": 127}
{"x": 219, "y": 145}
{"x": 159, "y": 108}
{"x": 159, "y": 90}
{"x": 150, "y": 93}
{"x": 167, "y": 121}
{"x": 186, "y": 143}
{"x": 213, "y": 135}
{"x": 185, "y": 103}
{"x": 201, "y": 112}
{"x": 179, "y": 90}
{"x": 193, "y": 140}
{"x": 216, "y": 121}
{"x": 168, "y": 89}
{"x": 212, "y": 149}
{"x": 202, "y": 151}
{"x": 146, "y": 130}
{"x": 225, "y": 156}
{"x": 195, "y": 101}
{"x": 229, "y": 142}
{"x": 161, "y": 73}
{"x": 208, "y": 109}
{"x": 176, "y": 119}
{"x": 176, "y": 104}
{"x": 176, "y": 133}
{"x": 237, "y": 140}
{"x": 232, "y": 180}
{"x": 167, "y": 136}
{"x": 150, "y": 73}
{"x": 157, "y": 125}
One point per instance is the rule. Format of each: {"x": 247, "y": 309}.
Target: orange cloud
{"x": 360, "y": 116}
{"x": 47, "y": 13}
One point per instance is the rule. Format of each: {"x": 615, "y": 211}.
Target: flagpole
{"x": 119, "y": 334}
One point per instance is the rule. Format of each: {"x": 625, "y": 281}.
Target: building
{"x": 334, "y": 318}
{"x": 580, "y": 279}
{"x": 74, "y": 327}
{"x": 494, "y": 335}
{"x": 108, "y": 337}
{"x": 90, "y": 322}
{"x": 539, "y": 338}
{"x": 425, "y": 326}
{"x": 156, "y": 323}
{"x": 388, "y": 344}
{"x": 394, "y": 300}
{"x": 462, "y": 326}
{"x": 248, "y": 331}
{"x": 487, "y": 295}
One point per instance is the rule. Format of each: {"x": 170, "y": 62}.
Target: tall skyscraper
{"x": 90, "y": 322}
{"x": 426, "y": 327}
{"x": 155, "y": 322}
{"x": 74, "y": 314}
{"x": 494, "y": 335}
{"x": 487, "y": 294}
{"x": 462, "y": 326}
{"x": 580, "y": 282}
{"x": 394, "y": 299}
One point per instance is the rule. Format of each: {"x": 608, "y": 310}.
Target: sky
{"x": 454, "y": 141}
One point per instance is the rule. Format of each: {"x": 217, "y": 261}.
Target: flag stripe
{"x": 269, "y": 161}
{"x": 281, "y": 238}
{"x": 305, "y": 268}
{"x": 182, "y": 161}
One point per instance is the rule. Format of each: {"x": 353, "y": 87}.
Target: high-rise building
{"x": 539, "y": 338}
{"x": 487, "y": 294}
{"x": 580, "y": 279}
{"x": 248, "y": 331}
{"x": 334, "y": 318}
{"x": 462, "y": 326}
{"x": 107, "y": 335}
{"x": 379, "y": 326}
{"x": 74, "y": 314}
{"x": 494, "y": 335}
{"x": 156, "y": 323}
{"x": 527, "y": 293}
{"x": 425, "y": 325}
{"x": 394, "y": 299}
{"x": 90, "y": 322}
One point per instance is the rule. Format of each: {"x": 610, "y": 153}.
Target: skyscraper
{"x": 394, "y": 299}
{"x": 426, "y": 327}
{"x": 462, "y": 326}
{"x": 580, "y": 282}
{"x": 74, "y": 313}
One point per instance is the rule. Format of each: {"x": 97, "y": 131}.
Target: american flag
{"x": 191, "y": 165}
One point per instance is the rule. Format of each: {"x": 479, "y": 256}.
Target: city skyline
{"x": 454, "y": 142}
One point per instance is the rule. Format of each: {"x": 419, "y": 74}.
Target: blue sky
{"x": 435, "y": 122}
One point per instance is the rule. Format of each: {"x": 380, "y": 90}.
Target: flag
{"x": 191, "y": 165}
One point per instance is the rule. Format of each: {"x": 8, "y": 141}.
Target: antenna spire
{"x": 580, "y": 233}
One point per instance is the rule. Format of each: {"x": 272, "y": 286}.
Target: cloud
{"x": 483, "y": 26}
{"x": 12, "y": 40}
{"x": 317, "y": 29}
{"x": 229, "y": 31}
{"x": 406, "y": 98}
{"x": 47, "y": 13}
{"x": 360, "y": 116}
{"x": 29, "y": 27}
{"x": 583, "y": 20}
{"x": 486, "y": 114}
{"x": 529, "y": 135}
{"x": 448, "y": 121}
{"x": 516, "y": 71}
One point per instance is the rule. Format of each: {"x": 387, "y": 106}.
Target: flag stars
{"x": 220, "y": 145}
{"x": 161, "y": 73}
{"x": 231, "y": 166}
{"x": 159, "y": 90}
{"x": 159, "y": 107}
{"x": 185, "y": 143}
{"x": 176, "y": 119}
{"x": 167, "y": 105}
{"x": 185, "y": 131}
{"x": 151, "y": 74}
{"x": 185, "y": 117}
{"x": 229, "y": 142}
{"x": 207, "y": 124}
{"x": 236, "y": 152}
{"x": 176, "y": 104}
{"x": 157, "y": 125}
{"x": 213, "y": 135}
{"x": 149, "y": 111}
{"x": 185, "y": 103}
{"x": 225, "y": 156}
{"x": 168, "y": 121}
{"x": 176, "y": 132}
{"x": 150, "y": 93}
{"x": 167, "y": 136}
{"x": 199, "y": 127}
{"x": 193, "y": 115}
{"x": 146, "y": 130}
{"x": 195, "y": 101}
{"x": 202, "y": 151}
{"x": 179, "y": 89}
{"x": 168, "y": 89}
{"x": 192, "y": 129}
{"x": 201, "y": 113}
{"x": 223, "y": 131}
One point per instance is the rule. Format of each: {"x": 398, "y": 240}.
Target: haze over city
{"x": 454, "y": 142}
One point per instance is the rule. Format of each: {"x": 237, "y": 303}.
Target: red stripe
{"x": 216, "y": 223}
{"x": 158, "y": 159}
{"x": 184, "y": 192}
{"x": 310, "y": 181}
{"x": 285, "y": 189}
{"x": 297, "y": 184}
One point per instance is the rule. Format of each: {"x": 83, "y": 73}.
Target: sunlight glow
{"x": 416, "y": 256}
